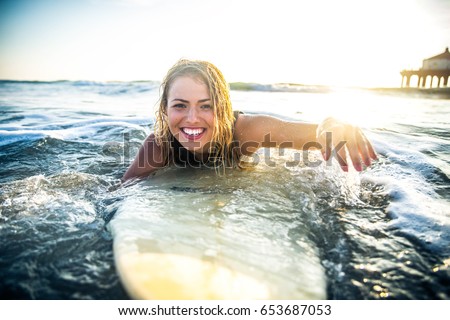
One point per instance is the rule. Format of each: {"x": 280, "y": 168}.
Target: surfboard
{"x": 178, "y": 237}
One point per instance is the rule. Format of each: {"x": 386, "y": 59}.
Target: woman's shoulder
{"x": 243, "y": 125}
{"x": 236, "y": 113}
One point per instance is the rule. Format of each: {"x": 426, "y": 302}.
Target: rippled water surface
{"x": 380, "y": 234}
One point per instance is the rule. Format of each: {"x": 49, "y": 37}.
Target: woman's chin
{"x": 195, "y": 147}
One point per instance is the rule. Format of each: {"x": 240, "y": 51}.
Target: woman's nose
{"x": 192, "y": 114}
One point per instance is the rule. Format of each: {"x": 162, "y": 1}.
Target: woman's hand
{"x": 343, "y": 139}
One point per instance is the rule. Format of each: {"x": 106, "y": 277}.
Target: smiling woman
{"x": 195, "y": 114}
{"x": 195, "y": 124}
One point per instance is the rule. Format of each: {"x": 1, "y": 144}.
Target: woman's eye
{"x": 179, "y": 106}
{"x": 206, "y": 106}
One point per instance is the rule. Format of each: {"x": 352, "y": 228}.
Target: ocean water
{"x": 380, "y": 234}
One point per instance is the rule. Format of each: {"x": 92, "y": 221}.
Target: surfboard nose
{"x": 164, "y": 276}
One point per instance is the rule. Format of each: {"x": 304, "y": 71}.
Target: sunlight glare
{"x": 340, "y": 43}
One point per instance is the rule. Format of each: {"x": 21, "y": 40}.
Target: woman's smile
{"x": 193, "y": 133}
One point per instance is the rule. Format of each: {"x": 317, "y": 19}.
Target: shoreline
{"x": 438, "y": 93}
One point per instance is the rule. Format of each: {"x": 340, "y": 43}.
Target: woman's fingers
{"x": 361, "y": 150}
{"x": 362, "y": 147}
{"x": 342, "y": 157}
{"x": 354, "y": 153}
{"x": 333, "y": 144}
{"x": 370, "y": 149}
{"x": 325, "y": 141}
{"x": 324, "y": 134}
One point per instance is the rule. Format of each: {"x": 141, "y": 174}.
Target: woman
{"x": 195, "y": 125}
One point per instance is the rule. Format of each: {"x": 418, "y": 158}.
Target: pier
{"x": 437, "y": 67}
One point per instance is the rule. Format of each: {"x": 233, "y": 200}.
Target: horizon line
{"x": 289, "y": 83}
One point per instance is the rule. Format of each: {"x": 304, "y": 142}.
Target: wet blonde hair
{"x": 221, "y": 147}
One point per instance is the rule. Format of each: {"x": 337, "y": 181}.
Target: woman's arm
{"x": 148, "y": 160}
{"x": 256, "y": 131}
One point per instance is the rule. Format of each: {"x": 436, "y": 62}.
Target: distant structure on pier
{"x": 434, "y": 67}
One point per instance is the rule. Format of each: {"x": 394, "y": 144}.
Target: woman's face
{"x": 190, "y": 113}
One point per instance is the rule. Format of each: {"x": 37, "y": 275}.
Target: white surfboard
{"x": 178, "y": 237}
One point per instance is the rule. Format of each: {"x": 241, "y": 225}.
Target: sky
{"x": 331, "y": 42}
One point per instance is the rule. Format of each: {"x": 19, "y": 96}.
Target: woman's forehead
{"x": 187, "y": 86}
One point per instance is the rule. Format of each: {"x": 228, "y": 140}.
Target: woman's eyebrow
{"x": 186, "y": 101}
{"x": 181, "y": 100}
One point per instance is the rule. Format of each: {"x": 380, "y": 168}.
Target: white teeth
{"x": 192, "y": 132}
